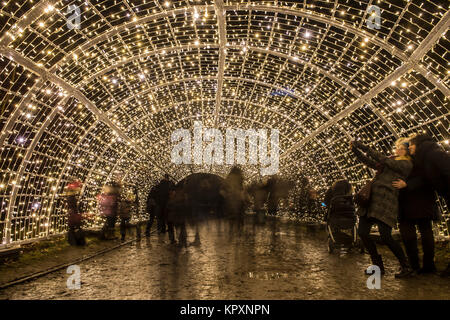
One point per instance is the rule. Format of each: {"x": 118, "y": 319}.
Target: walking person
{"x": 382, "y": 208}
{"x": 127, "y": 206}
{"x": 151, "y": 208}
{"x": 75, "y": 234}
{"x": 258, "y": 190}
{"x": 417, "y": 208}
{"x": 433, "y": 165}
{"x": 176, "y": 216}
{"x": 272, "y": 201}
{"x": 235, "y": 198}
{"x": 162, "y": 198}
{"x": 157, "y": 200}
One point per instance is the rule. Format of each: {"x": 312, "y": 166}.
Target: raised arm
{"x": 364, "y": 159}
{"x": 371, "y": 153}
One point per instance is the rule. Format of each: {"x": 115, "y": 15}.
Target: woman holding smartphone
{"x": 382, "y": 209}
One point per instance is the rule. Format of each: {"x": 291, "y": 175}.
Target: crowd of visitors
{"x": 402, "y": 192}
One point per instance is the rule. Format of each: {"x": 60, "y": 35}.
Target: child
{"x": 75, "y": 234}
{"x": 126, "y": 208}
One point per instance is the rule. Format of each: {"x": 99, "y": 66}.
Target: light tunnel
{"x": 100, "y": 97}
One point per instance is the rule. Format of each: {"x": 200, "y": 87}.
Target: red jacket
{"x": 108, "y": 204}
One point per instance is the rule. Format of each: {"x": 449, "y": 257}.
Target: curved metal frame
{"x": 435, "y": 34}
{"x": 408, "y": 64}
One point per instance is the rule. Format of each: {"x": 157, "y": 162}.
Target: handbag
{"x": 362, "y": 198}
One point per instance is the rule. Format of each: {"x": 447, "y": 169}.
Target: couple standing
{"x": 404, "y": 190}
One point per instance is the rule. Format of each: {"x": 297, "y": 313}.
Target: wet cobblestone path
{"x": 277, "y": 260}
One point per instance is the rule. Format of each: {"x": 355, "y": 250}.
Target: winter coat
{"x": 435, "y": 166}
{"x": 126, "y": 208}
{"x": 162, "y": 192}
{"x": 234, "y": 194}
{"x": 74, "y": 217}
{"x": 418, "y": 199}
{"x": 108, "y": 204}
{"x": 383, "y": 204}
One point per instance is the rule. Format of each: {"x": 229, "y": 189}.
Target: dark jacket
{"x": 74, "y": 217}
{"x": 151, "y": 199}
{"x": 176, "y": 208}
{"x": 234, "y": 194}
{"x": 383, "y": 203}
{"x": 163, "y": 191}
{"x": 126, "y": 209}
{"x": 435, "y": 166}
{"x": 417, "y": 200}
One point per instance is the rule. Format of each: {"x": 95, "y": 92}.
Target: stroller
{"x": 341, "y": 217}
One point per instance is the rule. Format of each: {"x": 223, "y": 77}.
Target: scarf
{"x": 408, "y": 158}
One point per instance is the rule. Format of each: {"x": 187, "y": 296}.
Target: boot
{"x": 197, "y": 240}
{"x": 426, "y": 270}
{"x": 405, "y": 270}
{"x": 172, "y": 237}
{"x": 138, "y": 232}
{"x": 378, "y": 261}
